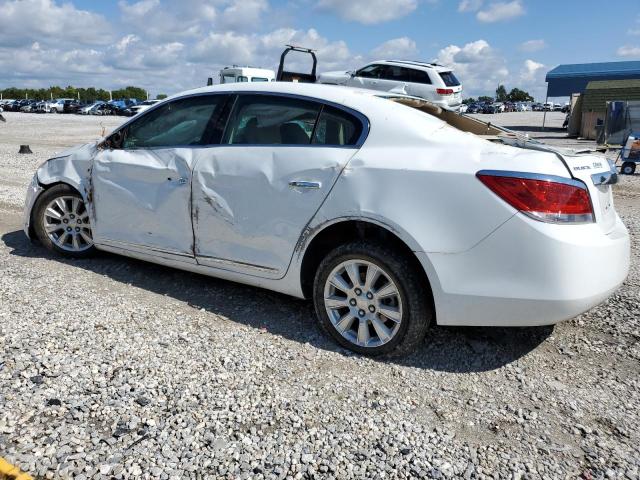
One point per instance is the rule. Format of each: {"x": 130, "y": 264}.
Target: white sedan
{"x": 391, "y": 213}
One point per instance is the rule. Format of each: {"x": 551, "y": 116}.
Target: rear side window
{"x": 337, "y": 128}
{"x": 259, "y": 79}
{"x": 397, "y": 74}
{"x": 182, "y": 122}
{"x": 420, "y": 76}
{"x": 449, "y": 79}
{"x": 271, "y": 120}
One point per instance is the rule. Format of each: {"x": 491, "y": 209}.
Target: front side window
{"x": 242, "y": 78}
{"x": 259, "y": 79}
{"x": 337, "y": 128}
{"x": 371, "y": 71}
{"x": 183, "y": 122}
{"x": 271, "y": 120}
{"x": 228, "y": 78}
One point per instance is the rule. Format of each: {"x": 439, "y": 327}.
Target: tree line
{"x": 515, "y": 95}
{"x": 89, "y": 94}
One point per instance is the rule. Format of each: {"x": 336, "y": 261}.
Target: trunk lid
{"x": 595, "y": 171}
{"x": 598, "y": 175}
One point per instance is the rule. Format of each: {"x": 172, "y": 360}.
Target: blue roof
{"x": 567, "y": 79}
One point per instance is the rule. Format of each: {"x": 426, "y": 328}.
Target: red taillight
{"x": 444, "y": 91}
{"x": 544, "y": 199}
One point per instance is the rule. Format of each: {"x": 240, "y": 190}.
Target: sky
{"x": 168, "y": 46}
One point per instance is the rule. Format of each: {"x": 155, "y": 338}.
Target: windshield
{"x": 449, "y": 79}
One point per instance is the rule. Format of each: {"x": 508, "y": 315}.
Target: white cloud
{"x": 530, "y": 70}
{"x": 532, "y": 45}
{"x": 369, "y": 12}
{"x": 395, "y": 48}
{"x": 469, "y": 5}
{"x": 241, "y": 14}
{"x": 500, "y": 11}
{"x": 171, "y": 19}
{"x": 478, "y": 66}
{"x": 138, "y": 9}
{"x": 22, "y": 21}
{"x": 628, "y": 51}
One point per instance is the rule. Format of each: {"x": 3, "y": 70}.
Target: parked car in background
{"x": 566, "y": 108}
{"x": 522, "y": 107}
{"x": 537, "y": 107}
{"x": 490, "y": 108}
{"x": 430, "y": 81}
{"x": 463, "y": 108}
{"x": 237, "y": 74}
{"x": 58, "y": 105}
{"x": 86, "y": 110}
{"x": 71, "y": 106}
{"x": 474, "y": 108}
{"x": 141, "y": 107}
{"x": 28, "y": 106}
{"x": 43, "y": 106}
{"x": 557, "y": 107}
{"x": 533, "y": 239}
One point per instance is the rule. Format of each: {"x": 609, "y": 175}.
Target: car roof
{"x": 329, "y": 93}
{"x": 414, "y": 63}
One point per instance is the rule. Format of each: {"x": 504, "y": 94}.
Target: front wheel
{"x": 628, "y": 168}
{"x": 61, "y": 222}
{"x": 372, "y": 300}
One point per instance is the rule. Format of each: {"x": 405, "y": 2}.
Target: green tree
{"x": 501, "y": 94}
{"x": 468, "y": 101}
{"x": 130, "y": 92}
{"x": 161, "y": 96}
{"x": 517, "y": 95}
{"x": 485, "y": 99}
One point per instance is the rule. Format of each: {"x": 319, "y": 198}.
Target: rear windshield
{"x": 449, "y": 79}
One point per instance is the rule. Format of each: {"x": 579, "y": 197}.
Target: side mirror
{"x": 114, "y": 141}
{"x": 353, "y": 74}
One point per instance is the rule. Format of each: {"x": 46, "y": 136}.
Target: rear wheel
{"x": 61, "y": 222}
{"x": 628, "y": 168}
{"x": 372, "y": 300}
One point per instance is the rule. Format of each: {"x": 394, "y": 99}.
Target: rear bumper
{"x": 528, "y": 273}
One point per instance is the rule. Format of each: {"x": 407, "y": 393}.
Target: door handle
{"x": 304, "y": 184}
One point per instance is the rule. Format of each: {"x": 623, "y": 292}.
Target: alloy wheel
{"x": 66, "y": 223}
{"x": 363, "y": 303}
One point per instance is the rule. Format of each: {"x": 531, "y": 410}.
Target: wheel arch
{"x": 43, "y": 188}
{"x": 344, "y": 230}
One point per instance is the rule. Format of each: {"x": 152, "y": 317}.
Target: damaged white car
{"x": 392, "y": 214}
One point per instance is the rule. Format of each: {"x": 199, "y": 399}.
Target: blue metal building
{"x": 567, "y": 79}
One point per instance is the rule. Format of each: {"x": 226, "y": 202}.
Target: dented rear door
{"x": 251, "y": 204}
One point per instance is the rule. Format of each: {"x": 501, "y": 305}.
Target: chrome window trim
{"x": 366, "y": 125}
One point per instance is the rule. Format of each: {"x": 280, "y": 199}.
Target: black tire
{"x": 37, "y": 220}
{"x": 628, "y": 168}
{"x": 414, "y": 293}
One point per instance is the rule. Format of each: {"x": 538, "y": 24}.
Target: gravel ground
{"x": 114, "y": 368}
